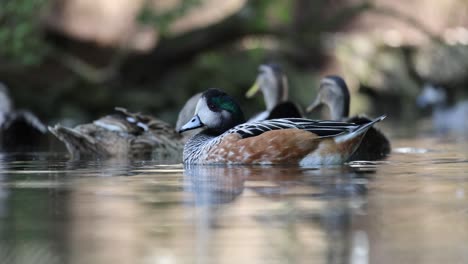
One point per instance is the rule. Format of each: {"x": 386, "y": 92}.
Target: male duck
{"x": 227, "y": 139}
{"x": 334, "y": 93}
{"x": 20, "y": 130}
{"x": 272, "y": 82}
{"x": 125, "y": 134}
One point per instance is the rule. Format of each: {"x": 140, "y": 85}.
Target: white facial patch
{"x": 207, "y": 117}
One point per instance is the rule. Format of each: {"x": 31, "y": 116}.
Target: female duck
{"x": 272, "y": 82}
{"x": 227, "y": 139}
{"x": 334, "y": 93}
{"x": 125, "y": 134}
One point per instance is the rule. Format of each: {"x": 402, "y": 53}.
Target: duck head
{"x": 273, "y": 83}
{"x": 333, "y": 93}
{"x": 186, "y": 113}
{"x": 215, "y": 111}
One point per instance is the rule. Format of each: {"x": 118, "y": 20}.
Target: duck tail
{"x": 77, "y": 144}
{"x": 359, "y": 130}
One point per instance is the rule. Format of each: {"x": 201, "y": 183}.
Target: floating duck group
{"x": 212, "y": 129}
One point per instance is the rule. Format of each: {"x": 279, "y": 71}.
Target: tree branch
{"x": 180, "y": 49}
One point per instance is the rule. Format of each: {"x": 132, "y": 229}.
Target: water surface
{"x": 410, "y": 208}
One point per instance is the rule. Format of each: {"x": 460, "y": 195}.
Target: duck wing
{"x": 123, "y": 121}
{"x": 134, "y": 123}
{"x": 322, "y": 128}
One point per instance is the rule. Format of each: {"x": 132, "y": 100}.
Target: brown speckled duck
{"x": 334, "y": 93}
{"x": 125, "y": 134}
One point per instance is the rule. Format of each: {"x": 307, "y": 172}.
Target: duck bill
{"x": 314, "y": 105}
{"x": 253, "y": 90}
{"x": 194, "y": 123}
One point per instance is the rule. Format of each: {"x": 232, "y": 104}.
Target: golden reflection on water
{"x": 410, "y": 208}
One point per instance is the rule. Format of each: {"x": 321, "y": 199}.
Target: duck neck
{"x": 339, "y": 109}
{"x": 276, "y": 94}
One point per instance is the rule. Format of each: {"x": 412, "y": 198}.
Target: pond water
{"x": 410, "y": 208}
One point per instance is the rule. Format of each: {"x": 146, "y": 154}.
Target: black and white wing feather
{"x": 322, "y": 128}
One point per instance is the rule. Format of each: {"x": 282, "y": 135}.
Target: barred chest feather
{"x": 196, "y": 147}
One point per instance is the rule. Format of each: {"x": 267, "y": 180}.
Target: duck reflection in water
{"x": 286, "y": 205}
{"x": 226, "y": 182}
{"x": 211, "y": 185}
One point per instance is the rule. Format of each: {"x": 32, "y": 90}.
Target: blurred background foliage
{"x": 71, "y": 61}
{"x": 21, "y": 35}
{"x": 163, "y": 20}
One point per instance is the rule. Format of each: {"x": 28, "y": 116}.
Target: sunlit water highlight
{"x": 410, "y": 208}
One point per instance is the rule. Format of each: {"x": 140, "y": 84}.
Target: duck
{"x": 226, "y": 138}
{"x": 445, "y": 118}
{"x": 20, "y": 130}
{"x": 334, "y": 93}
{"x": 125, "y": 134}
{"x": 273, "y": 83}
